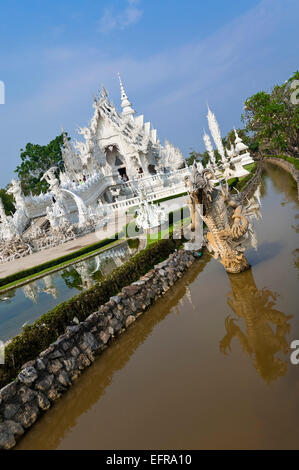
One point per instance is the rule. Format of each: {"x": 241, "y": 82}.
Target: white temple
{"x": 116, "y": 148}
{"x": 119, "y": 163}
{"x": 118, "y": 155}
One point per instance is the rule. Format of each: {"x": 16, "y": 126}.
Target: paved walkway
{"x": 41, "y": 257}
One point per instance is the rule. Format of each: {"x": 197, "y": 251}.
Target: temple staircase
{"x": 40, "y": 222}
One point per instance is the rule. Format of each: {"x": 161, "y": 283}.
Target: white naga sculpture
{"x": 227, "y": 217}
{"x": 20, "y": 218}
{"x": 8, "y": 230}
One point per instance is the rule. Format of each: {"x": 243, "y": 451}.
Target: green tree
{"x": 197, "y": 157}
{"x": 245, "y": 136}
{"x": 36, "y": 160}
{"x": 273, "y": 119}
{"x": 8, "y": 202}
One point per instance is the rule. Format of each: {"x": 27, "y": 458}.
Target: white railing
{"x": 156, "y": 186}
{"x": 135, "y": 201}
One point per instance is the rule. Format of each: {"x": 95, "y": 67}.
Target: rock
{"x": 91, "y": 320}
{"x": 44, "y": 384}
{"x": 110, "y": 331}
{"x": 66, "y": 345}
{"x": 25, "y": 394}
{"x": 83, "y": 361}
{"x": 115, "y": 324}
{"x": 90, "y": 354}
{"x": 89, "y": 341}
{"x": 8, "y": 392}
{"x": 162, "y": 264}
{"x": 73, "y": 329}
{"x": 75, "y": 351}
{"x": 131, "y": 290}
{"x": 53, "y": 394}
{"x": 43, "y": 401}
{"x": 28, "y": 364}
{"x": 70, "y": 364}
{"x": 10, "y": 410}
{"x": 138, "y": 283}
{"x": 74, "y": 376}
{"x": 47, "y": 351}
{"x": 116, "y": 299}
{"x": 8, "y": 431}
{"x": 27, "y": 415}
{"x": 7, "y": 440}
{"x": 40, "y": 364}
{"x": 64, "y": 379}
{"x": 55, "y": 354}
{"x": 28, "y": 375}
{"x": 111, "y": 303}
{"x": 129, "y": 320}
{"x": 54, "y": 366}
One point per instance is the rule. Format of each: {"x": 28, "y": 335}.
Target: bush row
{"x": 38, "y": 336}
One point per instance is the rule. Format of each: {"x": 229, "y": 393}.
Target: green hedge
{"x": 38, "y": 336}
{"x": 54, "y": 262}
{"x": 294, "y": 161}
{"x": 168, "y": 198}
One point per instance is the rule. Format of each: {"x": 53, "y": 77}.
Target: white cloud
{"x": 112, "y": 20}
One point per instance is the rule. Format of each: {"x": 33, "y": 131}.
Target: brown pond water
{"x": 208, "y": 366}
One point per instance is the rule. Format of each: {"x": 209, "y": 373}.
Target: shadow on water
{"x": 266, "y": 251}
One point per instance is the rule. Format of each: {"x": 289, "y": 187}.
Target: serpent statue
{"x": 227, "y": 218}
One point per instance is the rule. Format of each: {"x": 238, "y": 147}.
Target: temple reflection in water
{"x": 262, "y": 332}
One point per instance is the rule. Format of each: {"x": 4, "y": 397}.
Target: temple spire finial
{"x": 127, "y": 110}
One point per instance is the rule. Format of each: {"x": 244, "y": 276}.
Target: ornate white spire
{"x": 239, "y": 144}
{"x": 215, "y": 131}
{"x": 125, "y": 103}
{"x": 209, "y": 147}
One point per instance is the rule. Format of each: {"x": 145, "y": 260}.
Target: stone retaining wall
{"x": 286, "y": 166}
{"x": 253, "y": 183}
{"x": 42, "y": 381}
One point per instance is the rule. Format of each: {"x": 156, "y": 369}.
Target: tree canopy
{"x": 36, "y": 160}
{"x": 271, "y": 122}
{"x": 273, "y": 119}
{"x": 8, "y": 202}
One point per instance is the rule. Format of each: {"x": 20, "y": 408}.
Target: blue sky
{"x": 174, "y": 56}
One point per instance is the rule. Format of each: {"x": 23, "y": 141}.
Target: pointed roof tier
{"x": 239, "y": 145}
{"x": 127, "y": 110}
